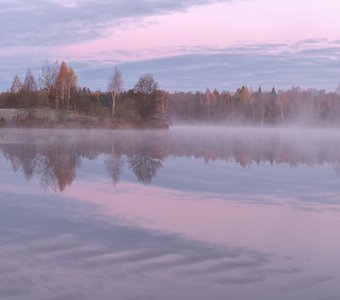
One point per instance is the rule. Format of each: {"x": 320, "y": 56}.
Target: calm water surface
{"x": 189, "y": 213}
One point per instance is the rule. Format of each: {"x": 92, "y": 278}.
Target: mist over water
{"x": 57, "y": 154}
{"x": 194, "y": 212}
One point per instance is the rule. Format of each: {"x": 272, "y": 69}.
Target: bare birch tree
{"x": 114, "y": 87}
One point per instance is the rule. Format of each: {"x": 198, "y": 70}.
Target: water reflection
{"x": 55, "y": 156}
{"x": 91, "y": 258}
{"x": 220, "y": 213}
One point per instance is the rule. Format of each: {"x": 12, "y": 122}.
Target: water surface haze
{"x": 193, "y": 212}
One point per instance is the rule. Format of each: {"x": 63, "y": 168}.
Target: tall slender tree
{"x": 114, "y": 87}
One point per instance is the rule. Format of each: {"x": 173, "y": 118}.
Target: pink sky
{"x": 144, "y": 36}
{"x": 213, "y": 26}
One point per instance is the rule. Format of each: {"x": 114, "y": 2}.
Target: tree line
{"x": 246, "y": 106}
{"x": 57, "y": 88}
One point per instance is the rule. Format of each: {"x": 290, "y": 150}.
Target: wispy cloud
{"x": 52, "y": 22}
{"x": 268, "y": 65}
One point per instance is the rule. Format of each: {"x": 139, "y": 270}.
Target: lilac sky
{"x": 187, "y": 45}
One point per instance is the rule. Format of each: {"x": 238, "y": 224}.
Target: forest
{"x": 146, "y": 105}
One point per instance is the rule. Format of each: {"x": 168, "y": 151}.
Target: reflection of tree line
{"x": 55, "y": 162}
{"x": 55, "y": 159}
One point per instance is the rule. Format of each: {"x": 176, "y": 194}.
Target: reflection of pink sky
{"x": 211, "y": 26}
{"x": 307, "y": 235}
{"x": 278, "y": 227}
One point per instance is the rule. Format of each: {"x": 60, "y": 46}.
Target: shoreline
{"x": 80, "y": 124}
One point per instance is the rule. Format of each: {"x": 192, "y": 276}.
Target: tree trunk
{"x": 282, "y": 114}
{"x": 113, "y": 95}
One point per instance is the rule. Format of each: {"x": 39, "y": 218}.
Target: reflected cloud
{"x": 85, "y": 254}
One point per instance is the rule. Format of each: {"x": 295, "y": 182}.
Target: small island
{"x": 56, "y": 101}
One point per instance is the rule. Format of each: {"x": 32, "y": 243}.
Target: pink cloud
{"x": 215, "y": 26}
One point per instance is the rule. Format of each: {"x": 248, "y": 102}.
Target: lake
{"x": 186, "y": 213}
